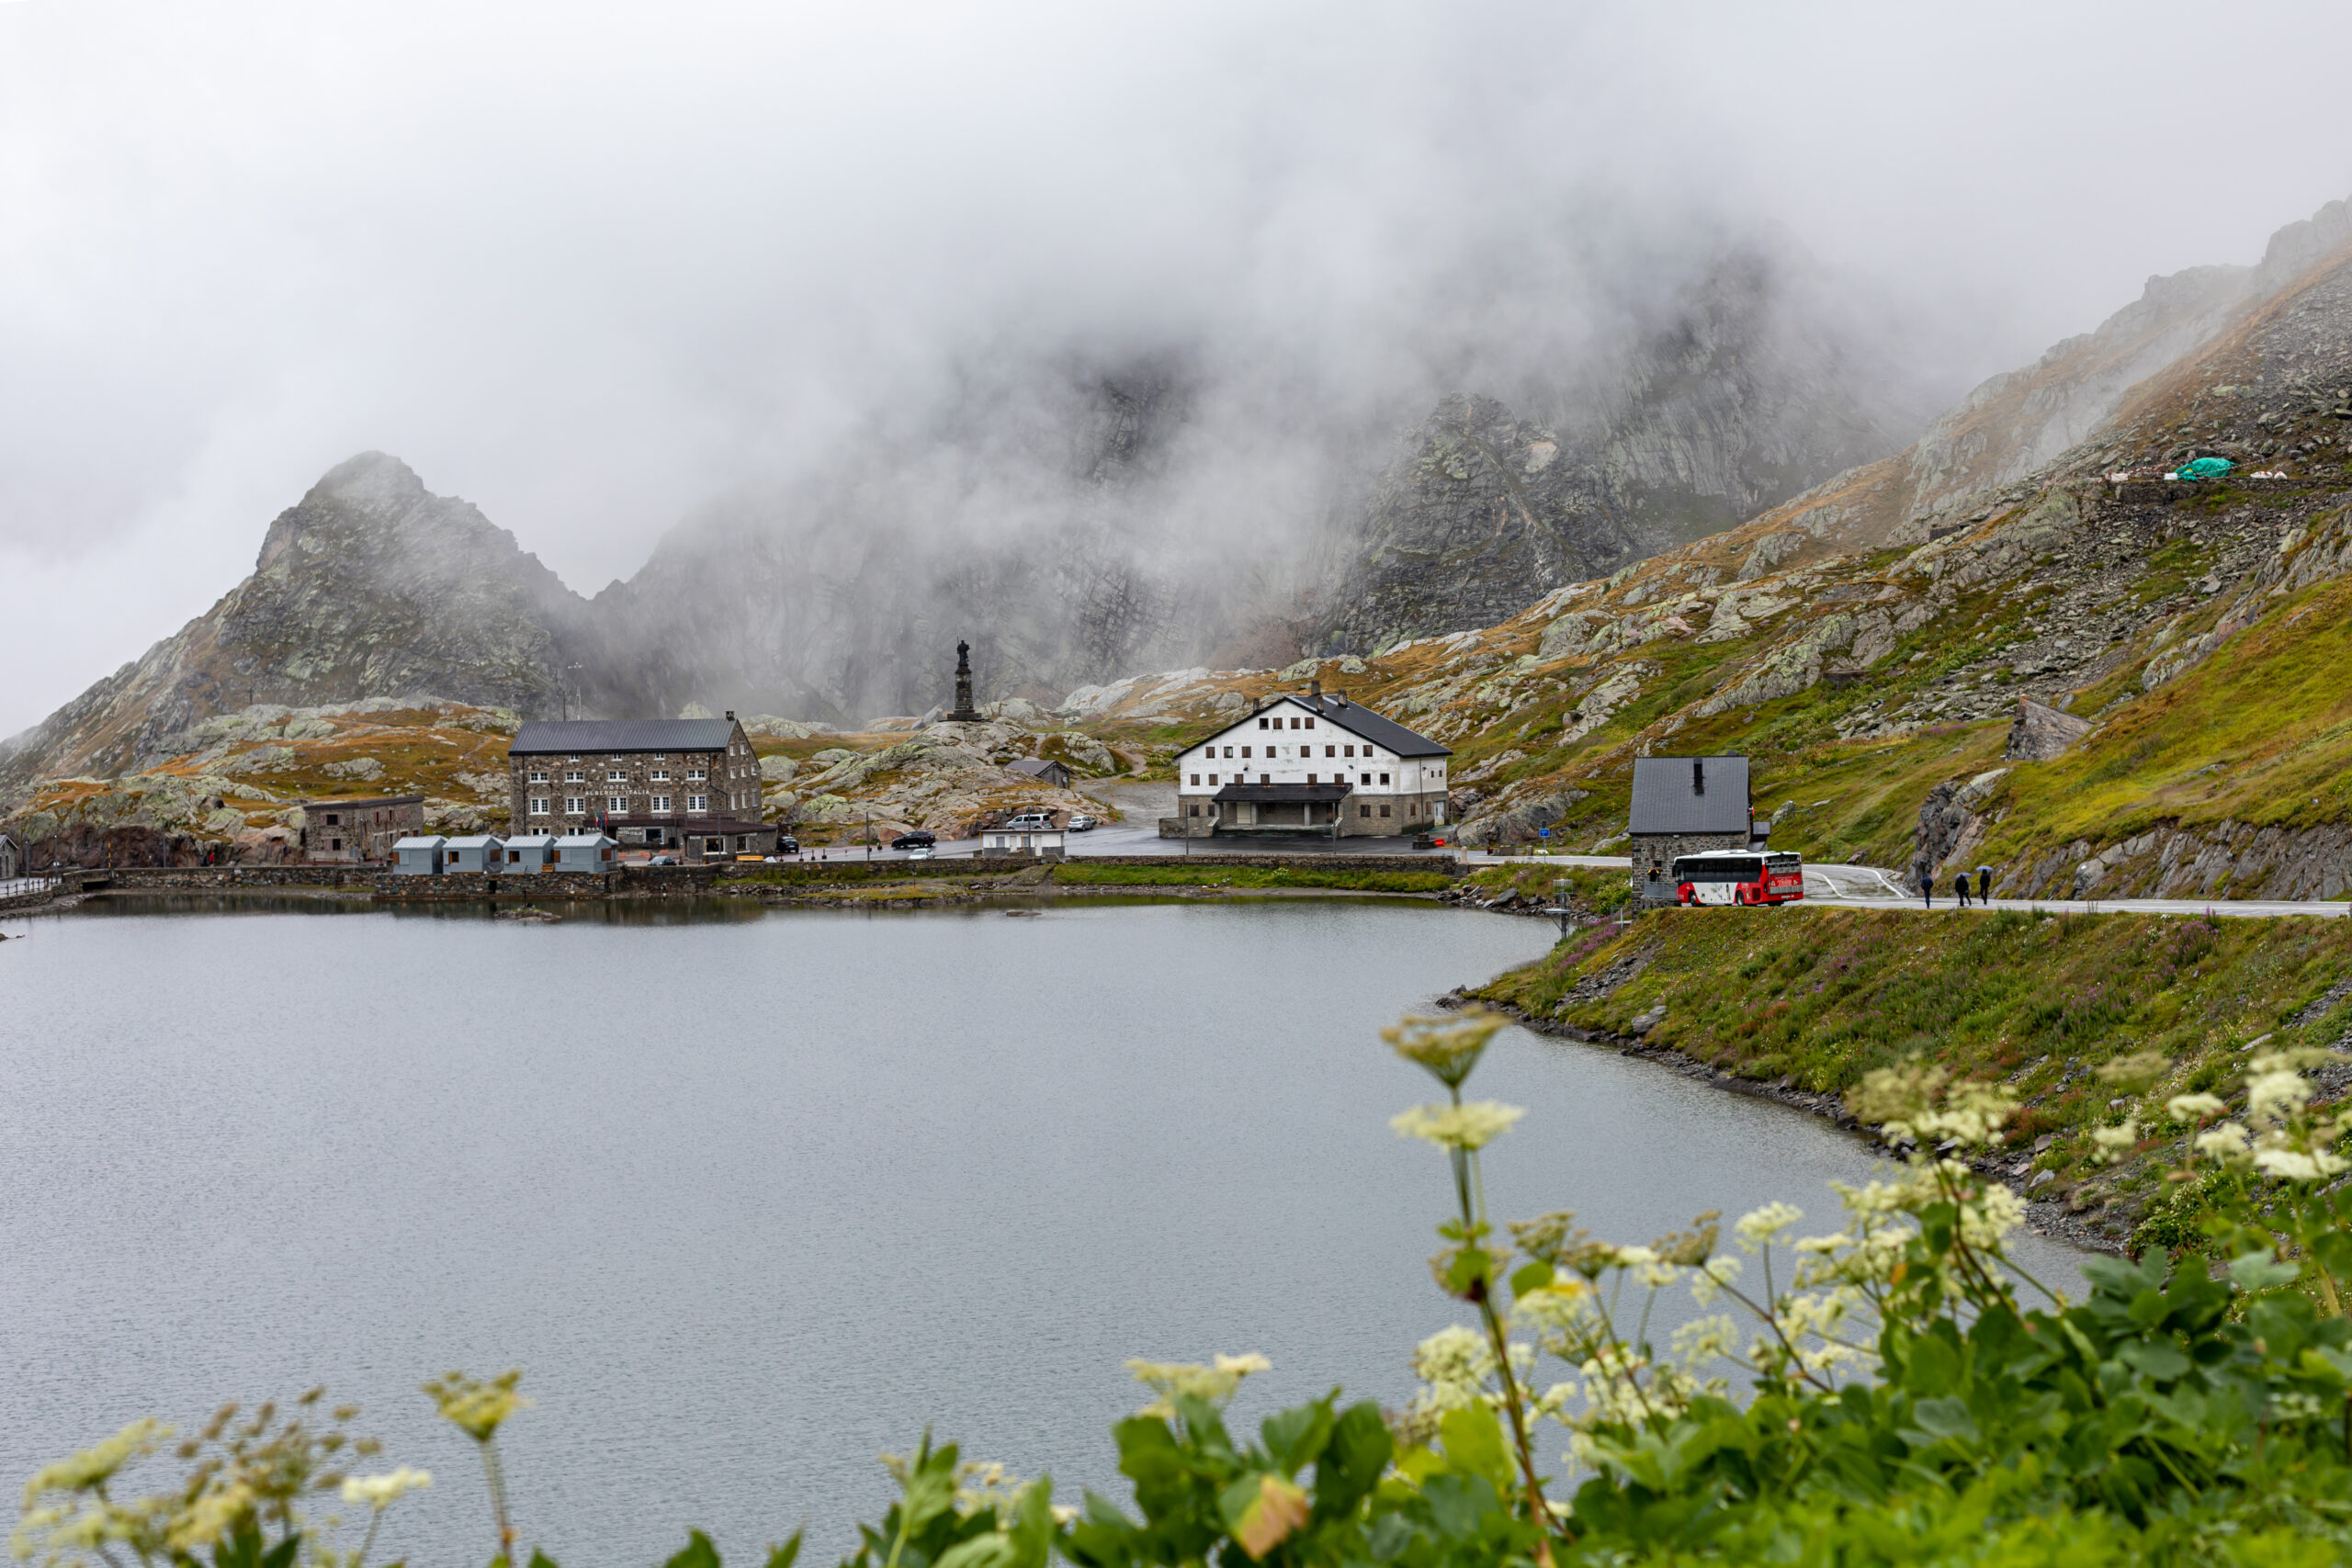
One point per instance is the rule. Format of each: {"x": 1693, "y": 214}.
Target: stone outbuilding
{"x": 1045, "y": 770}
{"x": 355, "y": 831}
{"x": 12, "y": 857}
{"x": 1682, "y": 805}
{"x": 420, "y": 856}
{"x": 482, "y": 852}
{"x": 585, "y": 851}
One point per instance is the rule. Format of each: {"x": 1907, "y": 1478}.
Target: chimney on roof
{"x": 1698, "y": 775}
{"x": 1315, "y": 691}
{"x": 1339, "y": 699}
{"x": 731, "y": 715}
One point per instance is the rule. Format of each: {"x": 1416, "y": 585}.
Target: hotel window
{"x": 540, "y": 776}
{"x": 538, "y": 805}
{"x": 1363, "y": 810}
{"x": 1310, "y": 723}
{"x": 1245, "y": 752}
{"x": 698, "y": 803}
{"x": 660, "y": 775}
{"x": 661, "y": 803}
{"x": 1384, "y": 778}
{"x": 1351, "y": 751}
{"x": 1367, "y": 778}
{"x": 1310, "y": 778}
{"x": 1384, "y": 811}
{"x": 1196, "y": 779}
{"x": 575, "y": 776}
{"x": 1331, "y": 750}
{"x": 574, "y": 805}
{"x": 1265, "y": 778}
{"x": 615, "y": 776}
{"x": 616, "y": 803}
{"x": 1212, "y": 778}
{"x": 1228, "y": 750}
{"x": 696, "y": 776}
{"x": 1265, "y": 723}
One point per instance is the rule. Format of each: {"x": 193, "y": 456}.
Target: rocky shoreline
{"x": 2045, "y": 1216}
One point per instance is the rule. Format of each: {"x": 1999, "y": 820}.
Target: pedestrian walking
{"x": 1927, "y": 885}
{"x": 1984, "y": 885}
{"x": 1960, "y": 885}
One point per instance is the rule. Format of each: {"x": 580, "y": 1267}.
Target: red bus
{"x": 1739, "y": 876}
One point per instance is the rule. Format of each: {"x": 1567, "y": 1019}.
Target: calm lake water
{"x": 755, "y": 1197}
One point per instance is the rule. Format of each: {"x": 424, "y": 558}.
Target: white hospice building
{"x": 1308, "y": 763}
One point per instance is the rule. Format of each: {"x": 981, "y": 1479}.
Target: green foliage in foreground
{"x": 1176, "y": 874}
{"x": 1895, "y": 1401}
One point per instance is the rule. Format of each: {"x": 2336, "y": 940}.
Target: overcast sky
{"x": 589, "y": 265}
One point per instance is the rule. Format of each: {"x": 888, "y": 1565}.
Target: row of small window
{"x": 1296, "y": 722}
{"x": 659, "y": 775}
{"x": 1311, "y": 778}
{"x": 1305, "y": 750}
{"x": 577, "y": 806}
{"x": 1365, "y": 809}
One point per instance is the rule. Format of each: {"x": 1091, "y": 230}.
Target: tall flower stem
{"x": 1470, "y": 1189}
{"x": 495, "y": 1473}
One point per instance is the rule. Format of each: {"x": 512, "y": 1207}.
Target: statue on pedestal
{"x": 964, "y": 713}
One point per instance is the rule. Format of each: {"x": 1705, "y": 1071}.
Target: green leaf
{"x": 1352, "y": 1461}
{"x": 2259, "y": 1271}
{"x": 1468, "y": 1268}
{"x": 1295, "y": 1436}
{"x": 1530, "y": 1277}
{"x": 2158, "y": 1359}
{"x": 698, "y": 1553}
{"x": 778, "y": 1556}
{"x": 1473, "y": 1440}
{"x": 992, "y": 1550}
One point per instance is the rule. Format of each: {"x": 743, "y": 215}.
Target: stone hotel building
{"x": 648, "y": 782}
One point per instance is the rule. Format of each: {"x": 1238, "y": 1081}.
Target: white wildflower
{"x": 2114, "y": 1142}
{"x": 2272, "y": 1098}
{"x": 2225, "y": 1143}
{"x": 2193, "y": 1107}
{"x": 381, "y": 1492}
{"x": 1470, "y": 1125}
{"x": 1760, "y": 1228}
{"x": 2294, "y": 1165}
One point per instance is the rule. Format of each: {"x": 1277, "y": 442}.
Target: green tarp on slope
{"x": 2205, "y": 468}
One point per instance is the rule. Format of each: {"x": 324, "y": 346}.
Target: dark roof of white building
{"x": 1690, "y": 795}
{"x": 579, "y": 736}
{"x": 1037, "y": 767}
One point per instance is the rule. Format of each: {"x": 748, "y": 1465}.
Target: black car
{"x": 918, "y": 839}
{"x": 785, "y": 844}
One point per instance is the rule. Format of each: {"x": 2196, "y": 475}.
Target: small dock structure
{"x": 419, "y": 855}
{"x": 585, "y": 851}
{"x": 530, "y": 852}
{"x": 482, "y": 852}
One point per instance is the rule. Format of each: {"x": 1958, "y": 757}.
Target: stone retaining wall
{"x": 649, "y": 882}
{"x": 686, "y": 881}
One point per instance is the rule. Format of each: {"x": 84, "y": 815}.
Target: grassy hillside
{"x": 1815, "y": 997}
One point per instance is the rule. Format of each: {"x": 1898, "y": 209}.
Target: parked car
{"x": 920, "y": 839}
{"x": 662, "y": 859}
{"x": 1029, "y": 821}
{"x": 920, "y": 852}
{"x": 1081, "y": 823}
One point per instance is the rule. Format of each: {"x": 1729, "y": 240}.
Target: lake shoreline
{"x": 2046, "y": 1216}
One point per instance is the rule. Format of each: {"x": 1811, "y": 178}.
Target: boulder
{"x": 2042, "y": 732}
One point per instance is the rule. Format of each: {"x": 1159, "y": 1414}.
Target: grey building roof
{"x": 1357, "y": 721}
{"x": 1037, "y": 767}
{"x": 579, "y": 736}
{"x": 1690, "y": 795}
